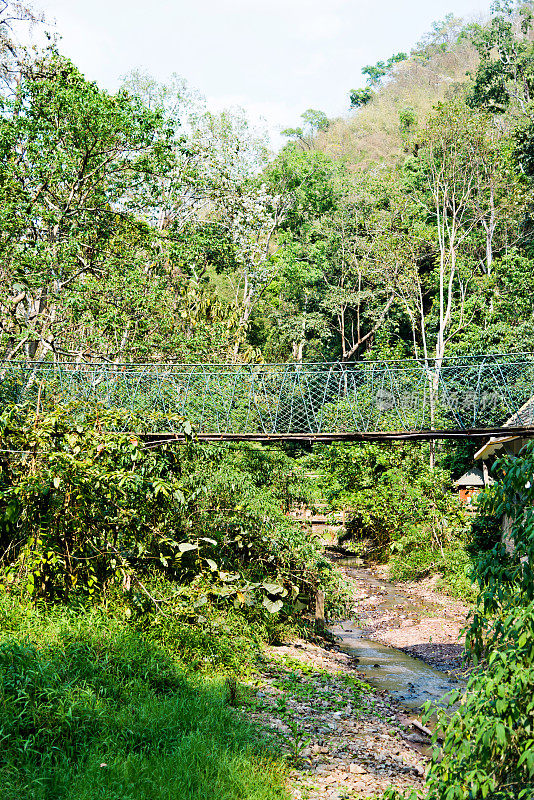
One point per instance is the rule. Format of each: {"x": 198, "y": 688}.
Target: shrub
{"x": 392, "y": 497}
{"x": 86, "y": 508}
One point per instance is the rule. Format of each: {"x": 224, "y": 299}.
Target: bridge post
{"x": 319, "y": 611}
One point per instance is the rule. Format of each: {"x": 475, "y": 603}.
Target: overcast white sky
{"x": 275, "y": 58}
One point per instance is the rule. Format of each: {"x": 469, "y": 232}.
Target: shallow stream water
{"x": 409, "y": 680}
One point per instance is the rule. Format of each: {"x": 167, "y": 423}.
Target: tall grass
{"x": 94, "y": 707}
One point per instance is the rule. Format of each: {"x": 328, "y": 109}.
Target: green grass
{"x": 95, "y": 707}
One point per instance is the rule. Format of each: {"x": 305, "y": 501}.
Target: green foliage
{"x": 395, "y": 502}
{"x": 84, "y": 153}
{"x": 376, "y": 73}
{"x": 486, "y": 532}
{"x": 174, "y": 246}
{"x": 88, "y": 505}
{"x": 297, "y": 741}
{"x": 314, "y": 121}
{"x": 407, "y": 120}
{"x": 92, "y": 509}
{"x": 505, "y": 74}
{"x": 247, "y": 492}
{"x": 308, "y": 180}
{"x": 497, "y": 758}
{"x": 399, "y": 510}
{"x": 360, "y": 97}
{"x": 138, "y": 226}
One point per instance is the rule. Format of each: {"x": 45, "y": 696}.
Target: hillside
{"x": 373, "y": 134}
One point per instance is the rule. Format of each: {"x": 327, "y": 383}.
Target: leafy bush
{"x": 394, "y": 500}
{"x": 486, "y": 532}
{"x": 83, "y": 509}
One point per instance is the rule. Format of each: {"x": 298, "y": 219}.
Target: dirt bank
{"x": 343, "y": 740}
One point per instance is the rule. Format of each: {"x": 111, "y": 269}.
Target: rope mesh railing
{"x": 462, "y": 392}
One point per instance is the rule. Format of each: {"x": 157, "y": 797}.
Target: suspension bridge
{"x": 457, "y": 397}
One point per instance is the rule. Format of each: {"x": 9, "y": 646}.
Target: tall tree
{"x": 459, "y": 155}
{"x": 73, "y": 160}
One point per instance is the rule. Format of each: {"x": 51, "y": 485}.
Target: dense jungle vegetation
{"x": 138, "y": 583}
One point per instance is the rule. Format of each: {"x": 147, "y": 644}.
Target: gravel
{"x": 357, "y": 745}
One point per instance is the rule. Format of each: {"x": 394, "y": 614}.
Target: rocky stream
{"x": 348, "y": 713}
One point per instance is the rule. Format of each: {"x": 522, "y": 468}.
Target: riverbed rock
{"x": 356, "y": 748}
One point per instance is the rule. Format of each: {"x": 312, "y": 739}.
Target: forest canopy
{"x": 139, "y": 226}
